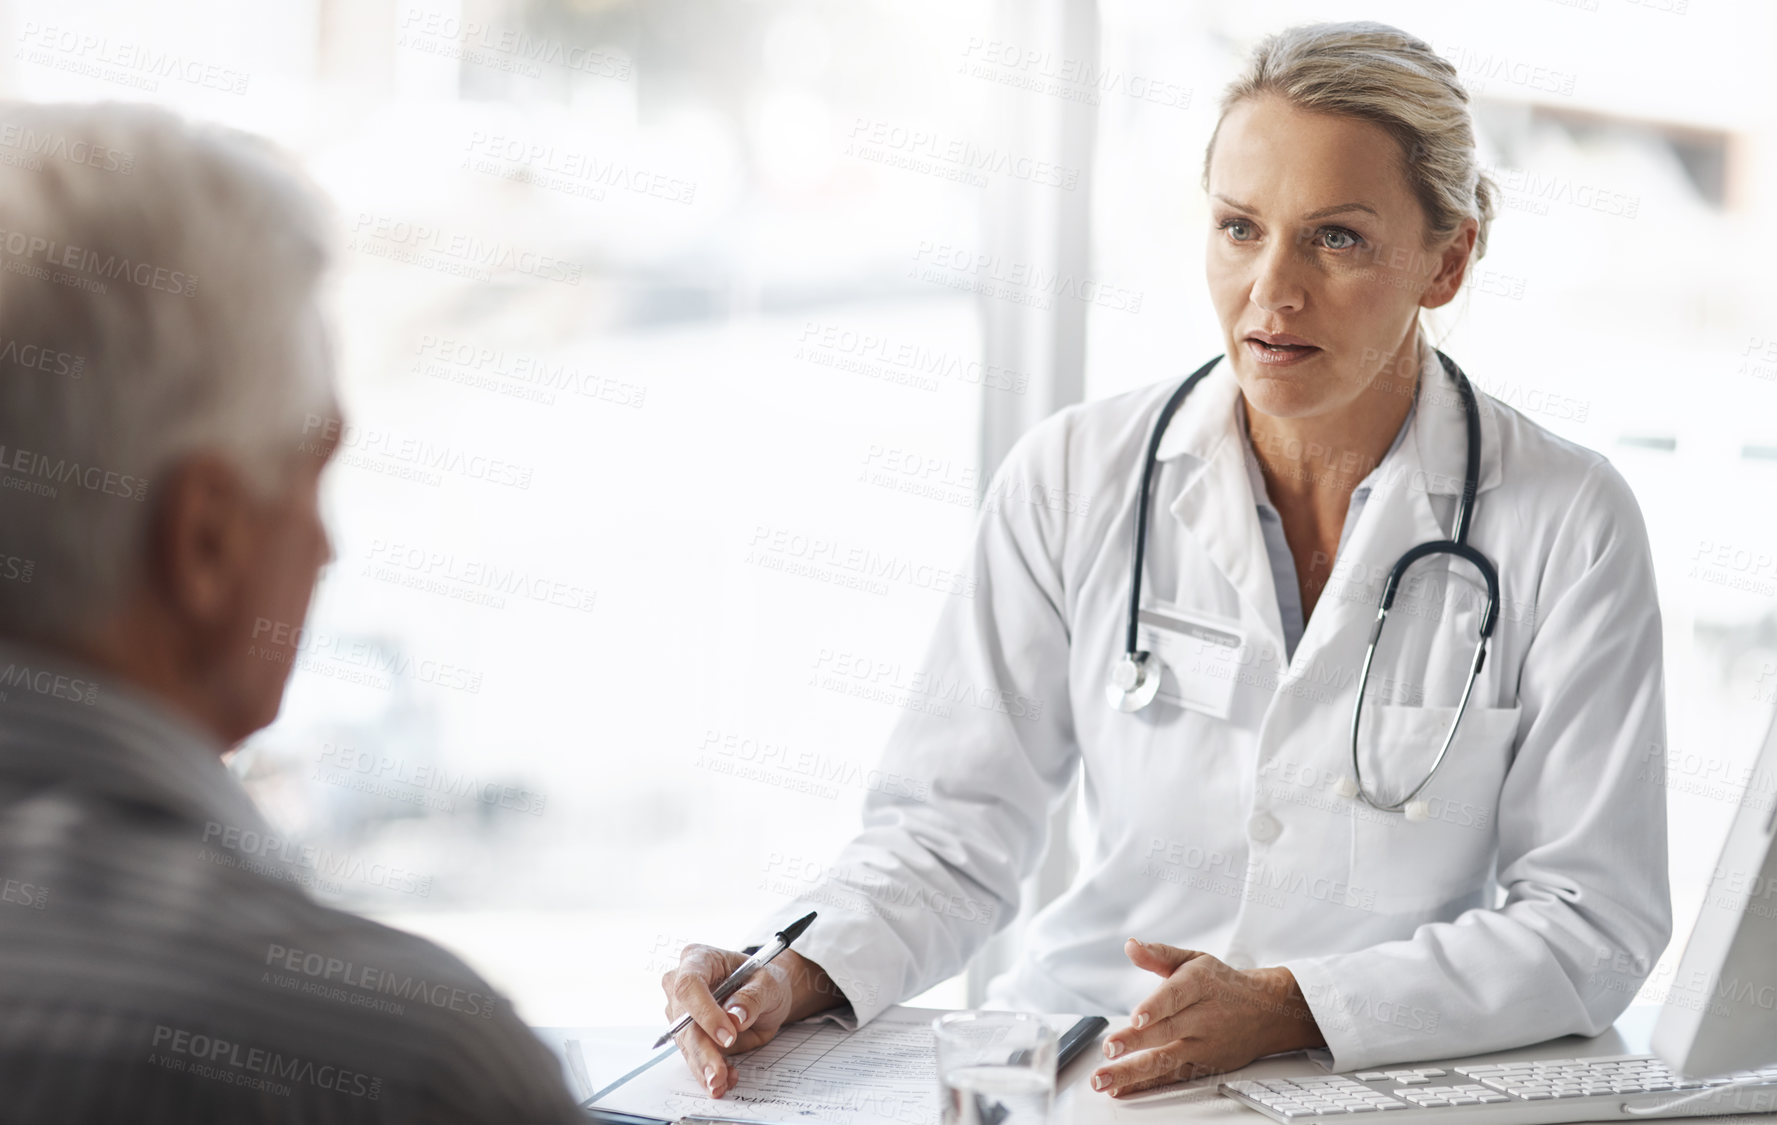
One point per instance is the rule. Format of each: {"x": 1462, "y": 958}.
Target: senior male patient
{"x": 160, "y": 351}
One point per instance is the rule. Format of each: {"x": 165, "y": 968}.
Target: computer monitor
{"x": 1720, "y": 1014}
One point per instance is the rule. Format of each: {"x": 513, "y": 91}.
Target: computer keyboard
{"x": 1519, "y": 1093}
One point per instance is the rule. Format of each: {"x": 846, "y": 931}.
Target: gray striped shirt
{"x": 160, "y": 961}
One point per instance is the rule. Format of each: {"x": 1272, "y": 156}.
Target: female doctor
{"x": 1254, "y": 882}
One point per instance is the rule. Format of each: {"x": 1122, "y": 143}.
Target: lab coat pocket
{"x": 1404, "y": 866}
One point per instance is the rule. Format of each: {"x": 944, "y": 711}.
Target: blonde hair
{"x": 1374, "y": 72}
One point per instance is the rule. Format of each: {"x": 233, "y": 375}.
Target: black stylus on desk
{"x": 1074, "y": 1040}
{"x": 1078, "y": 1038}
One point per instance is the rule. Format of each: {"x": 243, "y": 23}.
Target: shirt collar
{"x": 64, "y": 725}
{"x": 1434, "y": 462}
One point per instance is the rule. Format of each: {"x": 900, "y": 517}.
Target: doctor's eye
{"x": 1351, "y": 238}
{"x": 1229, "y": 224}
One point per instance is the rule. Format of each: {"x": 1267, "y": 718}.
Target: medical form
{"x": 885, "y": 1072}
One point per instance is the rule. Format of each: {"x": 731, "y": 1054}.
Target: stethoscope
{"x": 1136, "y": 678}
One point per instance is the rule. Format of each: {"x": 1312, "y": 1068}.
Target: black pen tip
{"x": 794, "y": 930}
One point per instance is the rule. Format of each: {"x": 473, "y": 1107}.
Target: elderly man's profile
{"x": 161, "y": 346}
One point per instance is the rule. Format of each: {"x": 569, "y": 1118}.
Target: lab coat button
{"x": 1238, "y": 960}
{"x": 1263, "y": 827}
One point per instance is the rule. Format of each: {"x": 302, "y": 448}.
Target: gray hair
{"x": 158, "y": 298}
{"x": 1378, "y": 73}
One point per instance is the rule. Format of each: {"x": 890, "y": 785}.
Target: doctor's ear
{"x": 1453, "y": 262}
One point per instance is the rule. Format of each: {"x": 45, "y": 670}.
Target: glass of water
{"x": 995, "y": 1068}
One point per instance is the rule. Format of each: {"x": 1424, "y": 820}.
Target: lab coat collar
{"x": 1215, "y": 503}
{"x": 1441, "y": 432}
{"x": 1435, "y": 464}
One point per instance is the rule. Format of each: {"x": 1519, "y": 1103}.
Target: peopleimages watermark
{"x": 852, "y": 566}
{"x": 1477, "y": 69}
{"x": 128, "y": 64}
{"x": 469, "y": 579}
{"x": 932, "y": 153}
{"x": 943, "y": 479}
{"x": 46, "y": 683}
{"x": 569, "y": 171}
{"x": 366, "y": 986}
{"x": 81, "y": 267}
{"x": 418, "y": 782}
{"x": 1618, "y": 970}
{"x": 859, "y": 1106}
{"x": 24, "y": 147}
{"x": 668, "y": 952}
{"x": 519, "y": 375}
{"x": 35, "y": 357}
{"x": 1735, "y": 567}
{"x": 265, "y": 853}
{"x": 39, "y": 474}
{"x": 890, "y": 681}
{"x": 17, "y": 892}
{"x": 454, "y": 252}
{"x": 1016, "y": 282}
{"x": 1433, "y": 590}
{"x": 17, "y": 568}
{"x": 1065, "y": 77}
{"x": 1246, "y": 876}
{"x": 863, "y": 890}
{"x": 881, "y": 355}
{"x": 778, "y": 763}
{"x": 1710, "y": 775}
{"x": 313, "y": 649}
{"x": 509, "y": 49}
{"x": 1317, "y": 784}
{"x": 1759, "y": 358}
{"x": 253, "y": 1068}
{"x": 1526, "y": 189}
{"x": 406, "y": 457}
{"x": 1741, "y": 889}
{"x": 1340, "y": 1008}
{"x": 1403, "y": 378}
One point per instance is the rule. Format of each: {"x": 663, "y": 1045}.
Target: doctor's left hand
{"x": 1207, "y": 1018}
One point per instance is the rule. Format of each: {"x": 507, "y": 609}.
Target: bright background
{"x": 639, "y": 299}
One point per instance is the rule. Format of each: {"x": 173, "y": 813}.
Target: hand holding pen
{"x": 778, "y": 989}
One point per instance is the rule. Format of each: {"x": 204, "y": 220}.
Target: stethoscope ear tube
{"x": 1489, "y": 576}
{"x": 1137, "y": 668}
{"x": 1488, "y": 619}
{"x": 1141, "y": 500}
{"x": 1457, "y": 545}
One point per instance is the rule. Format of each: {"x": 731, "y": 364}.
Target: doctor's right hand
{"x": 790, "y": 988}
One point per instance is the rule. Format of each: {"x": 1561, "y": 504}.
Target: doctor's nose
{"x": 1276, "y": 284}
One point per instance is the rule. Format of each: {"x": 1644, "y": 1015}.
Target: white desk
{"x": 611, "y": 1051}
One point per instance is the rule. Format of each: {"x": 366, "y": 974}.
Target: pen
{"x": 766, "y": 955}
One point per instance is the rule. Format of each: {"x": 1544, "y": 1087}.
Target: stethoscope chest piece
{"x": 1135, "y": 680}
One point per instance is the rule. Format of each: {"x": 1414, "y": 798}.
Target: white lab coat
{"x": 1530, "y": 904}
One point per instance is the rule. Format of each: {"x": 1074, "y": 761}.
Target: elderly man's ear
{"x": 203, "y": 538}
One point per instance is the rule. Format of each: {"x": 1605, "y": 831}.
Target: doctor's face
{"x": 1315, "y": 236}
